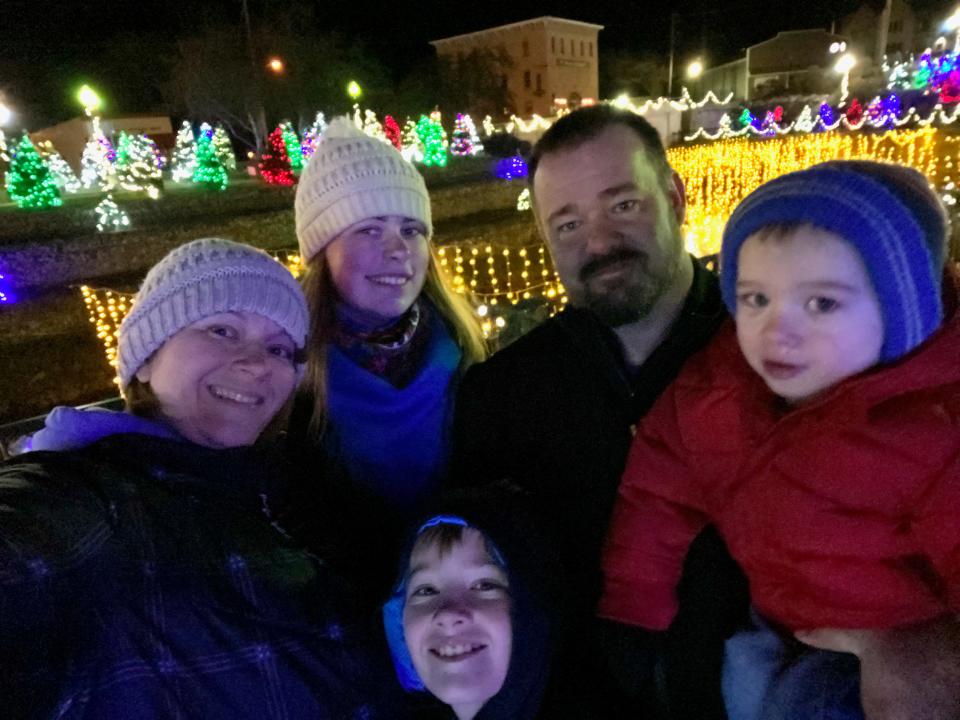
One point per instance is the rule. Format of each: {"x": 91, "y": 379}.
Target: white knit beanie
{"x": 203, "y": 278}
{"x": 352, "y": 177}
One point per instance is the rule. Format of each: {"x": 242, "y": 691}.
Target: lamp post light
{"x": 844, "y": 65}
{"x": 89, "y": 99}
{"x": 6, "y": 115}
{"x": 695, "y": 69}
{"x": 354, "y": 90}
{"x": 275, "y": 65}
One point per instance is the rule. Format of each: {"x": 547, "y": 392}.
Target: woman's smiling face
{"x": 379, "y": 265}
{"x": 221, "y": 380}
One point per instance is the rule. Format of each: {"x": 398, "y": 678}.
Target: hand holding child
{"x": 908, "y": 673}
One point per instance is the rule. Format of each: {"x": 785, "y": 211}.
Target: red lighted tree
{"x": 275, "y": 163}
{"x": 392, "y": 131}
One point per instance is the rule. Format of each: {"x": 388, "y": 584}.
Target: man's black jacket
{"x": 554, "y": 413}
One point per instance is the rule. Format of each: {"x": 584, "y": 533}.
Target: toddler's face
{"x": 456, "y": 621}
{"x": 807, "y": 315}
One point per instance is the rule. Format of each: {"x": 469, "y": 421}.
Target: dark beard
{"x": 630, "y": 302}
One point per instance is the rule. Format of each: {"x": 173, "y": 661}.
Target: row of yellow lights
{"x": 718, "y": 176}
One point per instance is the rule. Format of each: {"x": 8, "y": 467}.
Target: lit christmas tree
{"x": 854, "y": 113}
{"x": 372, "y": 126}
{"x": 223, "y": 148}
{"x": 438, "y": 120}
{"x": 805, "y": 121}
{"x": 208, "y": 171}
{"x": 274, "y": 164}
{"x": 392, "y": 132}
{"x": 292, "y": 144}
{"x": 184, "y": 154}
{"x": 412, "y": 149}
{"x": 110, "y": 218}
{"x": 29, "y": 181}
{"x": 431, "y": 135}
{"x": 66, "y": 179}
{"x": 136, "y": 165}
{"x": 97, "y": 163}
{"x": 465, "y": 138}
{"x": 311, "y": 136}
{"x": 726, "y": 126}
{"x": 827, "y": 117}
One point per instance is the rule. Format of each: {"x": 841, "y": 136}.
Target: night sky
{"x": 46, "y": 48}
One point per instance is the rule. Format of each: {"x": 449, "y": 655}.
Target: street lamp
{"x": 6, "y": 115}
{"x": 695, "y": 69}
{"x": 89, "y": 99}
{"x": 843, "y": 66}
{"x": 275, "y": 65}
{"x": 354, "y": 90}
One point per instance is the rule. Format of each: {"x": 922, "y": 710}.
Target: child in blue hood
{"x": 469, "y": 620}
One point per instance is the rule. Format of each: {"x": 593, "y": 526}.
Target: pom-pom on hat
{"x": 888, "y": 213}
{"x": 349, "y": 178}
{"x": 202, "y": 278}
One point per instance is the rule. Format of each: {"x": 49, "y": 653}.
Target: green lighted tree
{"x": 292, "y": 143}
{"x": 223, "y": 148}
{"x": 209, "y": 172}
{"x": 29, "y": 181}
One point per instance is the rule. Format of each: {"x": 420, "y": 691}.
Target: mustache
{"x": 612, "y": 258}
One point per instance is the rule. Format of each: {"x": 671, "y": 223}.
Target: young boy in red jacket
{"x": 820, "y": 433}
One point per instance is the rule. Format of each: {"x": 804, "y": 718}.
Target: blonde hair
{"x": 321, "y": 296}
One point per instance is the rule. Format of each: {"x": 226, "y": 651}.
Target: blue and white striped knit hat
{"x": 890, "y": 215}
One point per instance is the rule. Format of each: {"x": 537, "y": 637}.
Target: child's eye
{"x": 224, "y": 331}
{"x": 423, "y": 591}
{"x": 822, "y": 305}
{"x": 281, "y": 351}
{"x": 488, "y": 585}
{"x": 753, "y": 299}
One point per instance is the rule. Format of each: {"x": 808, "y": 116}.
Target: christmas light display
{"x": 311, "y": 136}
{"x": 224, "y": 149}
{"x": 7, "y": 296}
{"x": 29, "y": 181}
{"x": 488, "y": 127}
{"x": 720, "y": 174}
{"x": 110, "y": 218}
{"x": 392, "y": 132}
{"x": 523, "y": 200}
{"x": 106, "y": 310}
{"x": 432, "y": 136}
{"x": 208, "y": 171}
{"x": 372, "y": 126}
{"x": 511, "y": 168}
{"x": 465, "y": 139}
{"x": 291, "y": 142}
{"x": 274, "y": 163}
{"x": 412, "y": 146}
{"x": 184, "y": 154}
{"x": 63, "y": 174}
{"x": 136, "y": 165}
{"x": 4, "y": 156}
{"x": 97, "y": 162}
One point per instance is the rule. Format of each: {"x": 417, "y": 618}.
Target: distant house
{"x": 70, "y": 136}
{"x": 895, "y": 29}
{"x": 554, "y": 61}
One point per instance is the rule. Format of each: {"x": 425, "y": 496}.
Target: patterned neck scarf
{"x": 395, "y": 352}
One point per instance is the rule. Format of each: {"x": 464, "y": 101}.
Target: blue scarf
{"x": 394, "y": 441}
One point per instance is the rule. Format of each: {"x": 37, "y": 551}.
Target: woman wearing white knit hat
{"x": 143, "y": 569}
{"x": 389, "y": 338}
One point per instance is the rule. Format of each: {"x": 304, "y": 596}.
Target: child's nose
{"x": 781, "y": 326}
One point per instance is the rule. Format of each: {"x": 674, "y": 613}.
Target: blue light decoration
{"x": 6, "y": 294}
{"x": 511, "y": 168}
{"x": 892, "y": 106}
{"x": 826, "y": 114}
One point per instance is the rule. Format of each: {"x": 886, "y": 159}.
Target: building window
{"x": 562, "y": 51}
{"x": 582, "y": 53}
{"x": 553, "y": 46}
{"x": 591, "y": 48}
{"x": 539, "y": 84}
{"x": 526, "y": 49}
{"x": 526, "y": 79}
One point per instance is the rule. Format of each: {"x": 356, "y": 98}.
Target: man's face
{"x": 612, "y": 223}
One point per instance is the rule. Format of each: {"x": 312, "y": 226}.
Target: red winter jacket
{"x": 843, "y": 513}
